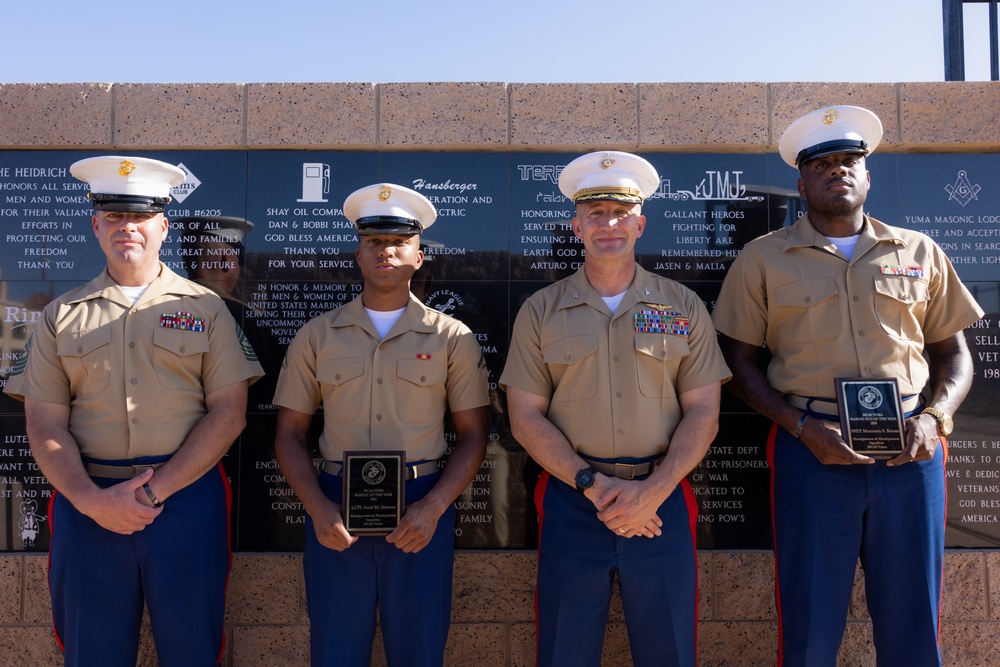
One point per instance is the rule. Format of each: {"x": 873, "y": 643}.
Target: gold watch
{"x": 945, "y": 423}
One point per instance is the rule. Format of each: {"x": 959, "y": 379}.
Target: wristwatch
{"x": 945, "y": 423}
{"x": 585, "y": 479}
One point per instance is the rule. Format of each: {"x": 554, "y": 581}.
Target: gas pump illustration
{"x": 315, "y": 181}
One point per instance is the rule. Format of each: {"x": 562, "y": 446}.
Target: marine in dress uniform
{"x": 385, "y": 369}
{"x": 135, "y": 386}
{"x": 840, "y": 295}
{"x": 613, "y": 381}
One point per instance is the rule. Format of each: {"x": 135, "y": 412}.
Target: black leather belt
{"x": 413, "y": 471}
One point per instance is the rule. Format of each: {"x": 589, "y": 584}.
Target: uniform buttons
{"x": 621, "y": 431}
{"x": 131, "y": 345}
{"x": 378, "y": 418}
{"x": 618, "y": 394}
{"x": 182, "y": 349}
{"x": 379, "y": 381}
{"x": 133, "y": 311}
{"x": 134, "y": 421}
{"x": 569, "y": 356}
{"x": 861, "y": 333}
{"x": 79, "y": 350}
{"x": 809, "y": 299}
{"x": 855, "y": 298}
{"x": 337, "y": 377}
{"x": 382, "y": 346}
{"x": 134, "y": 381}
{"x": 868, "y": 370}
{"x": 614, "y": 325}
{"x": 617, "y": 359}
{"x": 423, "y": 379}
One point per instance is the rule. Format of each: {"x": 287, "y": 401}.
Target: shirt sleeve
{"x": 525, "y": 368}
{"x": 298, "y": 389}
{"x": 38, "y": 372}
{"x": 741, "y": 309}
{"x": 467, "y": 373}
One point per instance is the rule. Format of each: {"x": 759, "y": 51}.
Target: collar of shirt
{"x": 416, "y": 318}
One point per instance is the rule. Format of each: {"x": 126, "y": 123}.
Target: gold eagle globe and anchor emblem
{"x": 126, "y": 167}
{"x": 384, "y": 193}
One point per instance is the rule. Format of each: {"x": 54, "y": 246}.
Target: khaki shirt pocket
{"x": 177, "y": 357}
{"x": 810, "y": 311}
{"x": 87, "y": 359}
{"x": 900, "y": 302}
{"x": 341, "y": 382}
{"x": 573, "y": 365}
{"x": 657, "y": 358}
{"x": 420, "y": 390}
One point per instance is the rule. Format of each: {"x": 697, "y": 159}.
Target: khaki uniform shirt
{"x": 825, "y": 316}
{"x": 613, "y": 388}
{"x": 383, "y": 394}
{"x": 134, "y": 386}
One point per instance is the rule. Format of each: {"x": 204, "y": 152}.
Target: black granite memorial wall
{"x": 503, "y": 231}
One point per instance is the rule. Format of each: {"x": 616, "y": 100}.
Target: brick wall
{"x": 492, "y": 620}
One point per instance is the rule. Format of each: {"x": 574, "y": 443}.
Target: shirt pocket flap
{"x": 421, "y": 372}
{"x": 181, "y": 342}
{"x": 805, "y": 293}
{"x": 338, "y": 371}
{"x": 903, "y": 289}
{"x": 570, "y": 350}
{"x": 82, "y": 344}
{"x": 661, "y": 346}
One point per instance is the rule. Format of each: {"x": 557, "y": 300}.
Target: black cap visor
{"x": 831, "y": 148}
{"x": 128, "y": 203}
{"x": 387, "y": 224}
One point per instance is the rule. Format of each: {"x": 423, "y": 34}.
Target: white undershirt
{"x": 614, "y": 301}
{"x": 384, "y": 319}
{"x": 133, "y": 292}
{"x": 845, "y": 244}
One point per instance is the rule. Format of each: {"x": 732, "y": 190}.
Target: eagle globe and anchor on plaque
{"x": 871, "y": 415}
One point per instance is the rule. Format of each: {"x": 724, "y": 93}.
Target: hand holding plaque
{"x": 374, "y": 486}
{"x": 871, "y": 415}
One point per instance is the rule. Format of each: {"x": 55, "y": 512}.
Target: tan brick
{"x": 858, "y": 608}
{"x": 970, "y": 644}
{"x": 476, "y": 644}
{"x": 857, "y": 649}
{"x": 493, "y": 587}
{"x": 956, "y": 115}
{"x": 311, "y": 115}
{"x": 70, "y": 115}
{"x": 10, "y": 588}
{"x": 993, "y": 577}
{"x": 20, "y": 647}
{"x": 177, "y": 116}
{"x": 743, "y": 586}
{"x": 265, "y": 589}
{"x": 37, "y": 601}
{"x": 443, "y": 115}
{"x": 573, "y": 116}
{"x": 742, "y": 644}
{"x": 269, "y": 645}
{"x": 964, "y": 596}
{"x": 703, "y": 117}
{"x": 791, "y": 100}
{"x": 522, "y": 645}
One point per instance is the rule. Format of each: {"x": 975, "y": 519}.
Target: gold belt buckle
{"x": 138, "y": 469}
{"x": 625, "y": 470}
